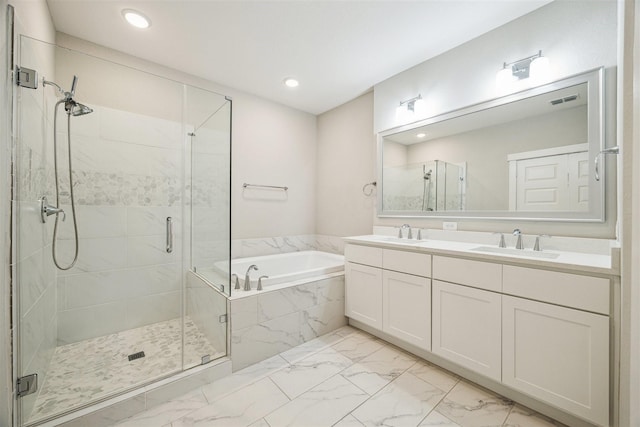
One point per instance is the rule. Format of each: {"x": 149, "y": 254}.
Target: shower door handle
{"x": 169, "y": 235}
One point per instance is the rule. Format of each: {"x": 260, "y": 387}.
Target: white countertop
{"x": 565, "y": 260}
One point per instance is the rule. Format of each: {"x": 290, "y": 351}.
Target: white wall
{"x": 346, "y": 162}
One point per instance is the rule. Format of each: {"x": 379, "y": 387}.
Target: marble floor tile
{"x": 85, "y": 371}
{"x": 260, "y": 423}
{"x": 309, "y": 372}
{"x": 525, "y": 417}
{"x": 357, "y": 346}
{"x": 434, "y": 375}
{"x": 167, "y": 412}
{"x": 322, "y": 406}
{"x": 471, "y": 406}
{"x": 310, "y": 347}
{"x": 404, "y": 402}
{"x": 348, "y": 421}
{"x": 241, "y": 408}
{"x": 243, "y": 377}
{"x": 379, "y": 368}
{"x": 436, "y": 419}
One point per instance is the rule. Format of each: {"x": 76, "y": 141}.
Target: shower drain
{"x": 135, "y": 356}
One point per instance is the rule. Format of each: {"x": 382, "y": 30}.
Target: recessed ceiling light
{"x": 421, "y": 135}
{"x": 136, "y": 18}
{"x": 291, "y": 82}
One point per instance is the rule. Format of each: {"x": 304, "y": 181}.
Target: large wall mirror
{"x": 529, "y": 155}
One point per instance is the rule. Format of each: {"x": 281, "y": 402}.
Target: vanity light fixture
{"x": 410, "y": 108}
{"x": 291, "y": 82}
{"x": 136, "y": 18}
{"x": 535, "y": 67}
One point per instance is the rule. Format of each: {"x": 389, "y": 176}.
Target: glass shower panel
{"x": 208, "y": 117}
{"x": 112, "y": 321}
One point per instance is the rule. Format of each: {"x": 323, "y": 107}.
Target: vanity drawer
{"x": 407, "y": 262}
{"x": 483, "y": 275}
{"x": 571, "y": 290}
{"x": 366, "y": 255}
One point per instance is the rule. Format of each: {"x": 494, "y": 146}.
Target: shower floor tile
{"x": 82, "y": 372}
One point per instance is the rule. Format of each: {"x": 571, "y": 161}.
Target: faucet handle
{"x": 536, "y": 246}
{"x": 237, "y": 280}
{"x": 260, "y": 282}
{"x": 502, "y": 243}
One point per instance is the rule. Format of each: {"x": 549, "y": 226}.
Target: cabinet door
{"x": 363, "y": 294}
{"x": 559, "y": 355}
{"x": 406, "y": 308}
{"x": 466, "y": 327}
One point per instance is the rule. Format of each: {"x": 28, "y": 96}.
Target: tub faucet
{"x": 237, "y": 281}
{"x": 518, "y": 234}
{"x": 247, "y": 279}
{"x": 259, "y": 288}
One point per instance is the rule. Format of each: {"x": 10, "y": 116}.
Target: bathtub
{"x": 288, "y": 269}
{"x": 302, "y": 299}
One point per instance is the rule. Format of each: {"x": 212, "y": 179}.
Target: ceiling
{"x": 337, "y": 49}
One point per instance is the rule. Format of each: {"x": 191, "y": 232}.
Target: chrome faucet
{"x": 247, "y": 279}
{"x": 405, "y": 226}
{"x": 537, "y": 246}
{"x": 259, "y": 288}
{"x": 237, "y": 280}
{"x": 518, "y": 234}
{"x": 502, "y": 243}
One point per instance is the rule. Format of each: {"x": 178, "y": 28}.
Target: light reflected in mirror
{"x": 528, "y": 155}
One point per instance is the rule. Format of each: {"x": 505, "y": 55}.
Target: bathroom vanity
{"x": 534, "y": 327}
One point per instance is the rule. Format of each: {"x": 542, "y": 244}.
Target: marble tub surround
{"x": 270, "y": 322}
{"x": 245, "y": 248}
{"x": 84, "y": 371}
{"x": 315, "y": 390}
{"x": 594, "y": 256}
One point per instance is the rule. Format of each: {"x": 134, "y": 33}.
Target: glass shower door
{"x": 113, "y": 321}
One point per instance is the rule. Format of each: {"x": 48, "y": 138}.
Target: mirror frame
{"x": 596, "y": 140}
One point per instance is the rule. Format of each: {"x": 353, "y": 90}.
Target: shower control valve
{"x": 47, "y": 210}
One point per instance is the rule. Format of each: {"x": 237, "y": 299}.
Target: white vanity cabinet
{"x": 540, "y": 332}
{"x": 390, "y": 290}
{"x": 363, "y": 294}
{"x": 406, "y": 307}
{"x": 466, "y": 314}
{"x": 558, "y": 352}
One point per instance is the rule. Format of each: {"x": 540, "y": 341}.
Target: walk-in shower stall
{"x": 121, "y": 186}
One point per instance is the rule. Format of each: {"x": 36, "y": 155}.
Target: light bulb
{"x": 291, "y": 82}
{"x": 539, "y": 71}
{"x": 136, "y": 18}
{"x": 505, "y": 78}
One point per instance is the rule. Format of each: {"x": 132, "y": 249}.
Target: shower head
{"x": 76, "y": 109}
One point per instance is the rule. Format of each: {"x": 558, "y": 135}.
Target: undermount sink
{"x": 516, "y": 252}
{"x": 399, "y": 240}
